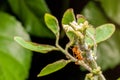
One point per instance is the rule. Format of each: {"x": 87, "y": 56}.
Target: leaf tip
{"x": 113, "y": 26}
{"x": 46, "y": 14}
{"x": 70, "y": 9}
{"x": 38, "y": 75}
{"x": 16, "y": 38}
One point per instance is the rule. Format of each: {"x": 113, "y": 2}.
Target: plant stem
{"x": 94, "y": 41}
{"x": 95, "y": 66}
{"x": 62, "y": 50}
{"x": 93, "y": 63}
{"x": 74, "y": 59}
{"x": 70, "y": 56}
{"x": 102, "y": 77}
{"x": 80, "y": 62}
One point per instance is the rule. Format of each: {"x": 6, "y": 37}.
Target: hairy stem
{"x": 71, "y": 57}
{"x": 64, "y": 51}
{"x": 102, "y": 77}
{"x": 79, "y": 62}
{"x": 95, "y": 66}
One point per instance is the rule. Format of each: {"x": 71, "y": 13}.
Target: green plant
{"x": 17, "y": 18}
{"x": 83, "y": 39}
{"x": 12, "y": 65}
{"x": 118, "y": 79}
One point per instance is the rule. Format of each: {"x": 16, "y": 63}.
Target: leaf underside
{"x": 101, "y": 33}
{"x": 34, "y": 46}
{"x": 53, "y": 67}
{"x": 52, "y": 23}
{"x": 109, "y": 50}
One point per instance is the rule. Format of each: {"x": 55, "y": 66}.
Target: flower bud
{"x": 67, "y": 28}
{"x": 76, "y": 26}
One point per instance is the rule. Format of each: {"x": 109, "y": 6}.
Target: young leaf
{"x": 68, "y": 17}
{"x": 50, "y": 68}
{"x": 80, "y": 18}
{"x": 69, "y": 32}
{"x": 52, "y": 23}
{"x": 102, "y": 33}
{"x": 109, "y": 52}
{"x": 34, "y": 46}
{"x": 91, "y": 31}
{"x": 71, "y": 35}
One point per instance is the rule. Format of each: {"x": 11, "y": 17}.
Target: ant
{"x": 77, "y": 53}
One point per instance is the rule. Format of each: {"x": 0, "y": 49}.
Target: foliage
{"x": 13, "y": 66}
{"x": 31, "y": 21}
{"x": 34, "y": 46}
{"x": 20, "y": 17}
{"x": 82, "y": 42}
{"x": 50, "y": 68}
{"x": 96, "y": 16}
{"x": 118, "y": 79}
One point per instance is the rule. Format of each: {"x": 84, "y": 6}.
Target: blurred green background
{"x": 25, "y": 18}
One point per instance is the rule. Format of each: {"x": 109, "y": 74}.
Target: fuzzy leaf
{"x": 102, "y": 33}
{"x": 52, "y": 23}
{"x": 108, "y": 52}
{"x": 68, "y": 17}
{"x": 91, "y": 31}
{"x": 34, "y": 46}
{"x": 71, "y": 35}
{"x": 80, "y": 18}
{"x": 50, "y": 68}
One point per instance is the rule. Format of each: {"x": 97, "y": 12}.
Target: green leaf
{"x": 34, "y": 46}
{"x": 112, "y": 9}
{"x": 93, "y": 14}
{"x": 118, "y": 79}
{"x": 109, "y": 52}
{"x": 71, "y": 35}
{"x": 80, "y": 19}
{"x": 34, "y": 25}
{"x": 14, "y": 59}
{"x": 50, "y": 68}
{"x": 38, "y": 7}
{"x": 68, "y": 17}
{"x": 91, "y": 31}
{"x": 102, "y": 33}
{"x": 69, "y": 32}
{"x": 52, "y": 23}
